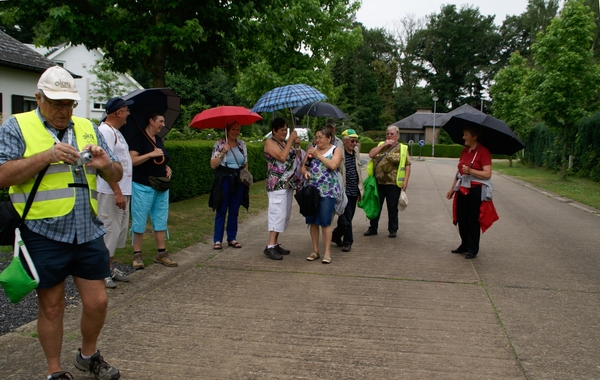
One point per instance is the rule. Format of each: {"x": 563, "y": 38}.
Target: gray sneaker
{"x": 97, "y": 366}
{"x": 109, "y": 283}
{"x": 117, "y": 275}
{"x": 137, "y": 261}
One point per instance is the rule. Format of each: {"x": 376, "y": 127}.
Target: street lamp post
{"x": 435, "y": 99}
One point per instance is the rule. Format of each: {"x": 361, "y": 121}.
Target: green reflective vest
{"x": 54, "y": 198}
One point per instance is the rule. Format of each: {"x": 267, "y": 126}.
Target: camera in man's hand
{"x": 85, "y": 157}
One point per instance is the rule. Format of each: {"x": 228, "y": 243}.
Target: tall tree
{"x": 410, "y": 94}
{"x": 519, "y": 32}
{"x": 367, "y": 77}
{"x": 456, "y": 54}
{"x": 291, "y": 41}
{"x": 191, "y": 36}
{"x": 509, "y": 95}
{"x": 565, "y": 79}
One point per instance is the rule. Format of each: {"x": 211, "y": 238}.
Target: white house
{"x": 20, "y": 70}
{"x": 79, "y": 60}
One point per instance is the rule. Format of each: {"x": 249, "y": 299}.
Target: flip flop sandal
{"x": 217, "y": 246}
{"x": 234, "y": 244}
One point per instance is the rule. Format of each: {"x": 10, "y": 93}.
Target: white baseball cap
{"x": 58, "y": 84}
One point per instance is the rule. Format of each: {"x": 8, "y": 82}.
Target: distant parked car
{"x": 302, "y": 132}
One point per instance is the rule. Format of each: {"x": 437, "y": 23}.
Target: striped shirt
{"x": 81, "y": 225}
{"x": 351, "y": 175}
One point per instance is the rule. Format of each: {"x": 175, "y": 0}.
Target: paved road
{"x": 526, "y": 308}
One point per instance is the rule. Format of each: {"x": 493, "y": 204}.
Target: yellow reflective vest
{"x": 401, "y": 167}
{"x": 54, "y": 198}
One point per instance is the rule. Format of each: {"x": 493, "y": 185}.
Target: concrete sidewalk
{"x": 406, "y": 308}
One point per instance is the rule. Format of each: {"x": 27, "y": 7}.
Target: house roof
{"x": 416, "y": 121}
{"x": 16, "y": 55}
{"x": 444, "y": 117}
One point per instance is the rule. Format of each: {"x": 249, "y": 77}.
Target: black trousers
{"x": 391, "y": 195}
{"x": 344, "y": 223}
{"x": 467, "y": 215}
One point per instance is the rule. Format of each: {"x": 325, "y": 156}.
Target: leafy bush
{"x": 587, "y": 148}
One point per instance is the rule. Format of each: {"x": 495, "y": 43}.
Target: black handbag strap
{"x": 37, "y": 183}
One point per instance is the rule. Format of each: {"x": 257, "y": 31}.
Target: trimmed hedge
{"x": 192, "y": 174}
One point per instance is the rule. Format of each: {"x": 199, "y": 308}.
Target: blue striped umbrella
{"x": 292, "y": 95}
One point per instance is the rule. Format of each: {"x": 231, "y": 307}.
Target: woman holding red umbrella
{"x": 229, "y": 156}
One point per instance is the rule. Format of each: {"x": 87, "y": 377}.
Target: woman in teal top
{"x": 320, "y": 169}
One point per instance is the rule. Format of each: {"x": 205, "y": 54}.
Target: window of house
{"x": 99, "y": 106}
{"x": 22, "y": 104}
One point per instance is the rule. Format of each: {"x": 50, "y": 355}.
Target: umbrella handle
{"x": 162, "y": 159}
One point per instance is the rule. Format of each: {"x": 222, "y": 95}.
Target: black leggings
{"x": 467, "y": 215}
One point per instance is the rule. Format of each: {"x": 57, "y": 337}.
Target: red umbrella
{"x": 219, "y": 117}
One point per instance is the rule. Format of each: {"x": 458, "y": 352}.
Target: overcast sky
{"x": 382, "y": 13}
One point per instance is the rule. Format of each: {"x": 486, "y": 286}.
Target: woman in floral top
{"x": 283, "y": 158}
{"x": 320, "y": 168}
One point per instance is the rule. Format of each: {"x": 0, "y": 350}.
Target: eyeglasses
{"x": 353, "y": 141}
{"x": 57, "y": 106}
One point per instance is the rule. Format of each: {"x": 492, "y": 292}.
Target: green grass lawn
{"x": 581, "y": 190}
{"x": 191, "y": 221}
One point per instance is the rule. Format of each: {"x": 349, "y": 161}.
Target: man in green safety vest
{"x": 62, "y": 231}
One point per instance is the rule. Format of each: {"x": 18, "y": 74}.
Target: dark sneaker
{"x": 117, "y": 275}
{"x": 62, "y": 375}
{"x": 97, "y": 366}
{"x": 347, "y": 248}
{"x": 337, "y": 240}
{"x": 282, "y": 251}
{"x": 272, "y": 253}
{"x": 370, "y": 232}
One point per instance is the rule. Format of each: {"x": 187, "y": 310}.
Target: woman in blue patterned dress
{"x": 320, "y": 168}
{"x": 283, "y": 157}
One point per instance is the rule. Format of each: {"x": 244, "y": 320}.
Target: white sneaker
{"x": 117, "y": 275}
{"x": 109, "y": 283}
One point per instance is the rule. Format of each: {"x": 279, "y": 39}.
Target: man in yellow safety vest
{"x": 61, "y": 231}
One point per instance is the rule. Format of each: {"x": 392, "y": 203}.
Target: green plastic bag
{"x": 14, "y": 278}
{"x": 370, "y": 199}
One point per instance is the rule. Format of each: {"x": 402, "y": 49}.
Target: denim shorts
{"x": 55, "y": 260}
{"x": 147, "y": 201}
{"x": 324, "y": 215}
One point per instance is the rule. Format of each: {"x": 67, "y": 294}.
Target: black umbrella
{"x": 162, "y": 100}
{"x": 320, "y": 109}
{"x": 495, "y": 134}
